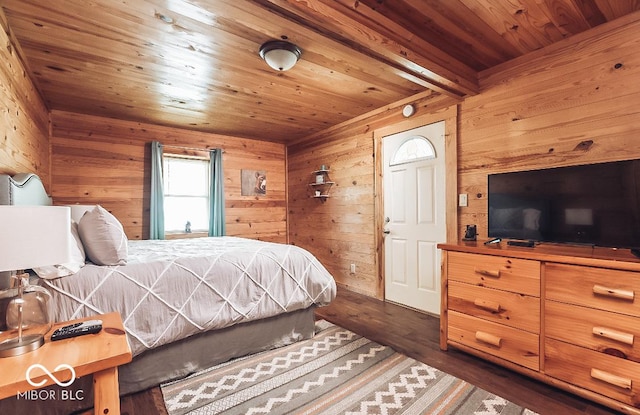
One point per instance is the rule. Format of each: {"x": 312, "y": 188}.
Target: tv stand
{"x": 565, "y": 315}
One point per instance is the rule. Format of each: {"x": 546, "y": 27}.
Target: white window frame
{"x": 400, "y": 156}
{"x": 166, "y": 187}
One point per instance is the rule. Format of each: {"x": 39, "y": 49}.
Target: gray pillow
{"x": 103, "y": 237}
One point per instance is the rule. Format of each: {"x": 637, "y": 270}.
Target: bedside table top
{"x": 85, "y": 354}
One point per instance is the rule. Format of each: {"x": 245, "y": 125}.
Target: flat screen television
{"x": 594, "y": 204}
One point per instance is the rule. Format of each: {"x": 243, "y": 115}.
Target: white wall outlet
{"x": 353, "y": 268}
{"x": 463, "y": 200}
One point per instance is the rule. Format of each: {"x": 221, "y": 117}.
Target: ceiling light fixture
{"x": 280, "y": 55}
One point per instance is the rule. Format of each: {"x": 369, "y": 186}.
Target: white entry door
{"x": 414, "y": 215}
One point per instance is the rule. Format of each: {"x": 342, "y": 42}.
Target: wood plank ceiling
{"x": 194, "y": 63}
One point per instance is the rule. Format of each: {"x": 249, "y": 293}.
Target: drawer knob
{"x": 487, "y": 338}
{"x": 488, "y": 273}
{"x": 622, "y": 337}
{"x": 613, "y": 292}
{"x": 614, "y": 380}
{"x": 487, "y": 305}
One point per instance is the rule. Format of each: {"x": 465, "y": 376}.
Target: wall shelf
{"x": 321, "y": 184}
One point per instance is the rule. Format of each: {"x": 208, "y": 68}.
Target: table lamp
{"x": 30, "y": 236}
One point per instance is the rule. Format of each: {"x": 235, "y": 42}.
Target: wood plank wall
{"x": 24, "y": 123}
{"x": 106, "y": 161}
{"x": 577, "y": 102}
{"x": 342, "y": 230}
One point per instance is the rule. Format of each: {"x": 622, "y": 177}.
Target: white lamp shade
{"x": 280, "y": 59}
{"x": 34, "y": 236}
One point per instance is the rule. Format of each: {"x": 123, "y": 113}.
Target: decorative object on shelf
{"x": 32, "y": 236}
{"x": 280, "y": 55}
{"x": 321, "y": 184}
{"x": 254, "y": 182}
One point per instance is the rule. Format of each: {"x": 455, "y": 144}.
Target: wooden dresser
{"x": 565, "y": 315}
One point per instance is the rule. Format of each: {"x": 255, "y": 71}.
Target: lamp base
{"x": 16, "y": 346}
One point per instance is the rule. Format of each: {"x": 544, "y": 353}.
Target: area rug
{"x": 335, "y": 372}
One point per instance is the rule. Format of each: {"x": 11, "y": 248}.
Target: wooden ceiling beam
{"x": 361, "y": 28}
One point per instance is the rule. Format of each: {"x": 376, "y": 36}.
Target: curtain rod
{"x": 190, "y": 148}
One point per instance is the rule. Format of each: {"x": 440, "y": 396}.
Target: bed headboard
{"x": 22, "y": 189}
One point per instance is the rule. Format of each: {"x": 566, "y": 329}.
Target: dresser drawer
{"x": 605, "y": 332}
{"x": 509, "y": 274}
{"x": 605, "y": 289}
{"x": 515, "y": 310}
{"x": 517, "y": 346}
{"x": 607, "y": 375}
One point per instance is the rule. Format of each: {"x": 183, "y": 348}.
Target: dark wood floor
{"x": 417, "y": 335}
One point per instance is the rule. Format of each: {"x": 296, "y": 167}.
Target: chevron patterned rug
{"x": 336, "y": 372}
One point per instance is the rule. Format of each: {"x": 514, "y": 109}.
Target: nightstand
{"x": 99, "y": 354}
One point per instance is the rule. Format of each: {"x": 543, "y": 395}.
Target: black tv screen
{"x": 595, "y": 204}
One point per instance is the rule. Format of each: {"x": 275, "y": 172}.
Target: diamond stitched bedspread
{"x": 172, "y": 289}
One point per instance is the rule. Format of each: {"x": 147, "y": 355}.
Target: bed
{"x": 186, "y": 304}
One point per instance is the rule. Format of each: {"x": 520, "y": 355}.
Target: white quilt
{"x": 172, "y": 289}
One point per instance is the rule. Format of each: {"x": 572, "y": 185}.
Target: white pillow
{"x": 77, "y": 257}
{"x": 103, "y": 237}
{"x": 77, "y": 211}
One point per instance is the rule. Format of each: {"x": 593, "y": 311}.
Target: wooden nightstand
{"x": 99, "y": 354}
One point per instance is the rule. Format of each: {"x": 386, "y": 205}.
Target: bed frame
{"x": 169, "y": 362}
{"x": 21, "y": 189}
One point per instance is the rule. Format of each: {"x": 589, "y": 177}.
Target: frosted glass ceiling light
{"x": 280, "y": 55}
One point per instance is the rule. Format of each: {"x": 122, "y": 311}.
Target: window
{"x": 186, "y": 194}
{"x": 415, "y": 148}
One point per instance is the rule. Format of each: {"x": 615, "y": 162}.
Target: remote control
{"x": 77, "y": 329}
{"x": 493, "y": 241}
{"x": 527, "y": 244}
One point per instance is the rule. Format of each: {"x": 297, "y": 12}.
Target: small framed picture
{"x": 253, "y": 182}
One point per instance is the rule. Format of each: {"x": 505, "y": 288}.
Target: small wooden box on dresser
{"x": 565, "y": 315}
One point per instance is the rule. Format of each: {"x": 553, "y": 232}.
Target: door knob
{"x": 386, "y": 232}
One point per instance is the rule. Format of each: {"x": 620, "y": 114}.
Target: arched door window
{"x": 413, "y": 149}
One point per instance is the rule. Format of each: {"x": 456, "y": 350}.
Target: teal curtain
{"x": 157, "y": 193}
{"x": 216, "y": 195}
